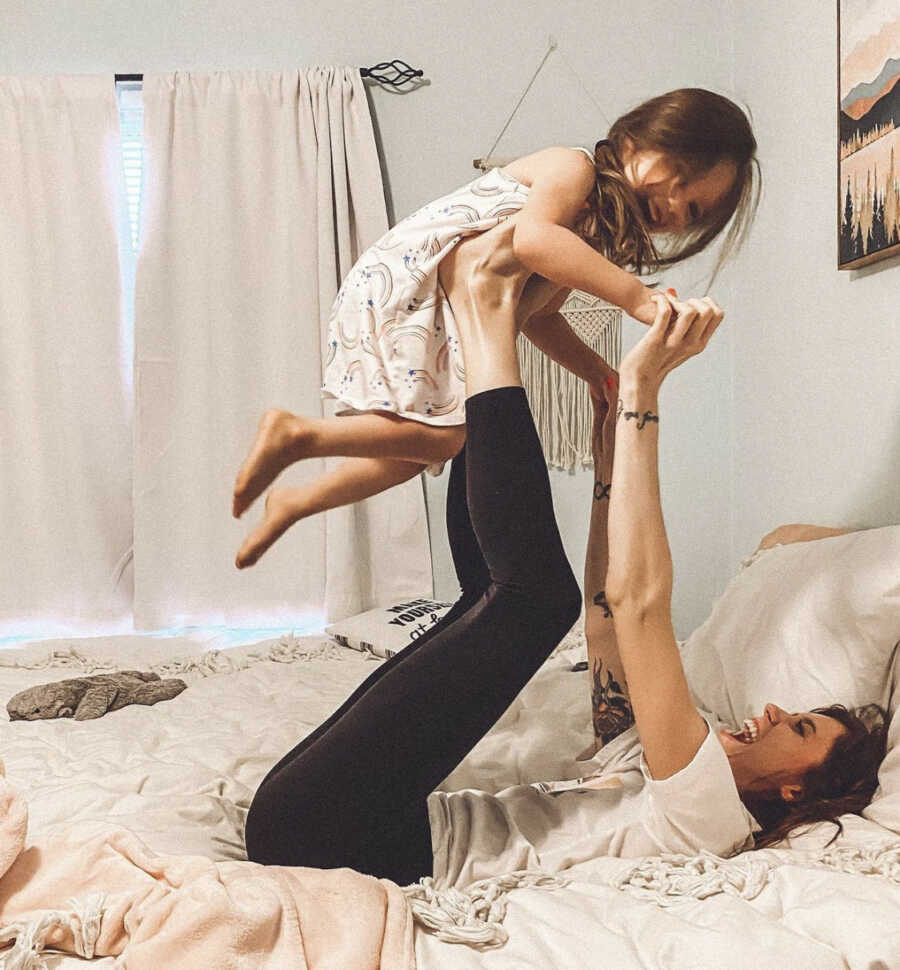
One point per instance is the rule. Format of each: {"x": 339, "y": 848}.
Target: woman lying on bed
{"x": 359, "y": 791}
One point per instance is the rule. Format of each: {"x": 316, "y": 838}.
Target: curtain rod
{"x": 403, "y": 73}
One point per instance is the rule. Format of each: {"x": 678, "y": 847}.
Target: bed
{"x": 181, "y": 775}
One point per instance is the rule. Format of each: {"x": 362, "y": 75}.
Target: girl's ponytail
{"x": 614, "y": 224}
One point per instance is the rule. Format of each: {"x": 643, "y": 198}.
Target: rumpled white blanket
{"x": 113, "y": 896}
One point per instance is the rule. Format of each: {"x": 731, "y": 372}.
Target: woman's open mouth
{"x": 748, "y": 733}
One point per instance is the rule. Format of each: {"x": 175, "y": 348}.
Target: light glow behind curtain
{"x": 260, "y": 191}
{"x": 65, "y": 416}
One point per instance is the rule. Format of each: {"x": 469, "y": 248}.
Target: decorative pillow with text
{"x": 386, "y": 630}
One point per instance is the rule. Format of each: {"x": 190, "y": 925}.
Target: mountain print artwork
{"x": 868, "y": 131}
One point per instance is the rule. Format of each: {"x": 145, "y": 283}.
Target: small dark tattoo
{"x": 600, "y": 600}
{"x": 642, "y": 418}
{"x": 612, "y": 712}
{"x": 601, "y": 491}
{"x": 620, "y": 407}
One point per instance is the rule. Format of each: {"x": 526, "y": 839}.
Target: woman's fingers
{"x": 680, "y": 329}
{"x": 697, "y": 322}
{"x": 664, "y": 307}
{"x": 718, "y": 315}
{"x": 687, "y": 316}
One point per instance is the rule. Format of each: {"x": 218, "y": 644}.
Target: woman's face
{"x": 776, "y": 749}
{"x": 672, "y": 199}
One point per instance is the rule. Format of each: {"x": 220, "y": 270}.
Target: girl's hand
{"x": 680, "y": 330}
{"x": 644, "y": 308}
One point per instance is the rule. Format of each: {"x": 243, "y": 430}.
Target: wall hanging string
{"x": 560, "y": 402}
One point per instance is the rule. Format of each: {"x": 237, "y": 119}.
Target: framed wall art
{"x": 868, "y": 131}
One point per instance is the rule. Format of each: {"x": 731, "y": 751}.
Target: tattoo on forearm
{"x": 620, "y": 407}
{"x": 600, "y": 600}
{"x": 642, "y": 419}
{"x": 612, "y": 712}
{"x": 601, "y": 491}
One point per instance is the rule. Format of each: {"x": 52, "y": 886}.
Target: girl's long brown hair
{"x": 844, "y": 782}
{"x": 697, "y": 129}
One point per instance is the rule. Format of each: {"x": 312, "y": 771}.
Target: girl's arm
{"x": 639, "y": 579}
{"x": 543, "y": 242}
{"x": 610, "y": 700}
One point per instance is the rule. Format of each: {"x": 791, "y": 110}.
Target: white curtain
{"x": 260, "y": 191}
{"x": 65, "y": 414}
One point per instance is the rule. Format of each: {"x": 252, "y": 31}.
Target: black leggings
{"x": 353, "y": 793}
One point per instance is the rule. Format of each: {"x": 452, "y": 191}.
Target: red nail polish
{"x": 671, "y": 291}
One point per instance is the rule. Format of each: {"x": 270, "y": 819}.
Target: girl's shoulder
{"x": 575, "y": 162}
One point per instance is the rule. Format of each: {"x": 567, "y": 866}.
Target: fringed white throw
{"x": 288, "y": 649}
{"x": 667, "y": 879}
{"x": 561, "y": 402}
{"x": 473, "y": 915}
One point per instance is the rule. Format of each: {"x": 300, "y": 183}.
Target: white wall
{"x": 816, "y": 434}
{"x": 478, "y": 58}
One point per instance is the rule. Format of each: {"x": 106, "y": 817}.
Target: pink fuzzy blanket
{"x": 111, "y": 896}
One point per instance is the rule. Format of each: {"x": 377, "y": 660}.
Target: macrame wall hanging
{"x": 561, "y": 402}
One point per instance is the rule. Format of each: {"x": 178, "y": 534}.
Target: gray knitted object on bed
{"x": 88, "y": 697}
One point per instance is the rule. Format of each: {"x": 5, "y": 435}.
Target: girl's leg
{"x": 284, "y": 438}
{"x": 357, "y": 795}
{"x": 352, "y": 481}
{"x": 473, "y": 576}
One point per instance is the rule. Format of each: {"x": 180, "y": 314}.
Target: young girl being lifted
{"x": 413, "y": 319}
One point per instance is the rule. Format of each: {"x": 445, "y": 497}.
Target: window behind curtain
{"x": 131, "y": 115}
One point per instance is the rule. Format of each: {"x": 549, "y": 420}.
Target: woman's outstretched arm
{"x": 639, "y": 578}
{"x": 610, "y": 701}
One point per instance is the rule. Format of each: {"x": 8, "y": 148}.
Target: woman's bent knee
{"x": 567, "y": 606}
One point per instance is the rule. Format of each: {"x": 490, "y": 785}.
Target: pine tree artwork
{"x": 868, "y": 196}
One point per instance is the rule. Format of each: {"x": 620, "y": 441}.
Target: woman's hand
{"x": 679, "y": 330}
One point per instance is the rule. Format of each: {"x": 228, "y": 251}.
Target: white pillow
{"x": 386, "y": 630}
{"x": 805, "y": 625}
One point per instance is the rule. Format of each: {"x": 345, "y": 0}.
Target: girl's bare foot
{"x": 279, "y": 441}
{"x": 282, "y": 511}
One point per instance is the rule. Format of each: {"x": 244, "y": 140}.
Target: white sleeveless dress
{"x": 392, "y": 340}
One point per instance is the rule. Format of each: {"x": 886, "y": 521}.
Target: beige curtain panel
{"x": 65, "y": 413}
{"x": 261, "y": 189}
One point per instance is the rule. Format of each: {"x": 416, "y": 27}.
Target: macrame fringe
{"x": 473, "y": 915}
{"x": 561, "y": 402}
{"x": 83, "y": 921}
{"x": 288, "y": 650}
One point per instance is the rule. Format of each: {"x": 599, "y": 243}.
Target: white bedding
{"x": 181, "y": 775}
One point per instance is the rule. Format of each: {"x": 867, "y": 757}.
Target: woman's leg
{"x": 473, "y": 576}
{"x": 357, "y": 795}
{"x": 283, "y": 438}
{"x": 351, "y": 481}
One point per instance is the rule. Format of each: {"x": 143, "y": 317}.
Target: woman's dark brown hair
{"x": 697, "y": 129}
{"x": 844, "y": 782}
